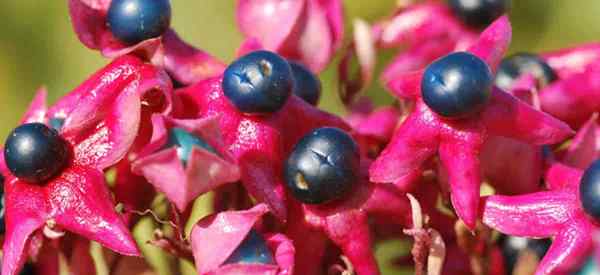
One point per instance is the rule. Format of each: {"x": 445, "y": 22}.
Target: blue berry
{"x": 514, "y": 66}
{"x": 306, "y": 84}
{"x": 56, "y": 123}
{"x": 184, "y": 141}
{"x": 457, "y": 85}
{"x": 258, "y": 83}
{"x": 589, "y": 268}
{"x": 479, "y": 13}
{"x": 253, "y": 249}
{"x": 589, "y": 190}
{"x": 323, "y": 166}
{"x": 35, "y": 153}
{"x": 133, "y": 21}
{"x": 512, "y": 248}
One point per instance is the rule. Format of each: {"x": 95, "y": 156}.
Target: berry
{"x": 35, "y": 153}
{"x": 479, "y": 13}
{"x": 513, "y": 247}
{"x": 253, "y": 249}
{"x": 133, "y": 21}
{"x": 512, "y": 67}
{"x": 185, "y": 141}
{"x": 589, "y": 190}
{"x": 457, "y": 85}
{"x": 589, "y": 268}
{"x": 28, "y": 269}
{"x": 258, "y": 83}
{"x": 323, "y": 166}
{"x": 306, "y": 84}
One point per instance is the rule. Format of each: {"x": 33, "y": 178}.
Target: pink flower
{"x": 458, "y": 142}
{"x": 99, "y": 121}
{"x": 308, "y": 31}
{"x": 556, "y": 213}
{"x": 183, "y": 62}
{"x": 225, "y": 243}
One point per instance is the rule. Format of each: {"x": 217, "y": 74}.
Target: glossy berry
{"x": 258, "y": 83}
{"x": 512, "y": 67}
{"x": 512, "y": 248}
{"x": 184, "y": 141}
{"x": 323, "y": 166}
{"x": 34, "y": 153}
{"x": 252, "y": 250}
{"x": 589, "y": 190}
{"x": 479, "y": 13}
{"x": 133, "y": 21}
{"x": 457, "y": 85}
{"x": 306, "y": 84}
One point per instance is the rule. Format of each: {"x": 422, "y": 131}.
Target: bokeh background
{"x": 38, "y": 46}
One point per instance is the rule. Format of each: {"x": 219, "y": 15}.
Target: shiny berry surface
{"x": 323, "y": 166}
{"x": 479, "y": 13}
{"x": 514, "y": 66}
{"x": 306, "y": 84}
{"x": 184, "y": 141}
{"x": 133, "y": 21}
{"x": 253, "y": 249}
{"x": 457, "y": 85}
{"x": 589, "y": 190}
{"x": 512, "y": 248}
{"x": 258, "y": 83}
{"x": 35, "y": 153}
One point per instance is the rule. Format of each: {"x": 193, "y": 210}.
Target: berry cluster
{"x": 297, "y": 190}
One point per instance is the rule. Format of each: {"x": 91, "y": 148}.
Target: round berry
{"x": 133, "y": 21}
{"x": 258, "y": 83}
{"x": 252, "y": 250}
{"x": 184, "y": 141}
{"x": 306, "y": 84}
{"x": 35, "y": 153}
{"x": 479, "y": 13}
{"x": 589, "y": 190}
{"x": 512, "y": 248}
{"x": 323, "y": 166}
{"x": 457, "y": 85}
{"x": 514, "y": 66}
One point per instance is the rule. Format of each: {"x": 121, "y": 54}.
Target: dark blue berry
{"x": 323, "y": 166}
{"x": 258, "y": 83}
{"x": 28, "y": 269}
{"x": 512, "y": 248}
{"x": 514, "y": 66}
{"x": 56, "y": 123}
{"x": 457, "y": 85}
{"x": 133, "y": 21}
{"x": 184, "y": 141}
{"x": 35, "y": 153}
{"x": 589, "y": 268}
{"x": 253, "y": 249}
{"x": 479, "y": 13}
{"x": 306, "y": 84}
{"x": 589, "y": 190}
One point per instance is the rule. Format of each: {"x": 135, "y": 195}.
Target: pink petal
{"x": 133, "y": 191}
{"x": 380, "y": 124}
{"x": 81, "y": 203}
{"x": 310, "y": 243}
{"x": 406, "y": 86}
{"x": 284, "y": 252}
{"x": 570, "y": 61}
{"x": 569, "y": 248}
{"x": 214, "y": 238}
{"x": 188, "y": 64}
{"x": 508, "y": 116}
{"x": 36, "y": 112}
{"x": 493, "y": 42}
{"x": 249, "y": 45}
{"x": 88, "y": 18}
{"x": 414, "y": 58}
{"x": 583, "y": 149}
{"x": 270, "y": 21}
{"x": 536, "y": 215}
{"x": 335, "y": 18}
{"x": 560, "y": 176}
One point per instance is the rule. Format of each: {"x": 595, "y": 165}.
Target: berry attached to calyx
{"x": 184, "y": 141}
{"x": 306, "y": 84}
{"x": 252, "y": 250}
{"x": 479, "y": 13}
{"x": 589, "y": 190}
{"x": 258, "y": 83}
{"x": 35, "y": 153}
{"x": 133, "y": 21}
{"x": 514, "y": 66}
{"x": 457, "y": 85}
{"x": 323, "y": 166}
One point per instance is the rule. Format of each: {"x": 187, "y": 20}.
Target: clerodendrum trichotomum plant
{"x": 166, "y": 130}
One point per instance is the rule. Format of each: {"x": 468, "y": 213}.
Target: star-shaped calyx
{"x": 96, "y": 123}
{"x": 457, "y": 141}
{"x": 258, "y": 143}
